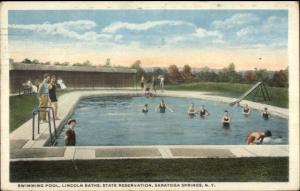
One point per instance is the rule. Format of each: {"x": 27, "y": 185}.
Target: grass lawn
{"x": 279, "y": 96}
{"x": 20, "y": 109}
{"x": 261, "y": 169}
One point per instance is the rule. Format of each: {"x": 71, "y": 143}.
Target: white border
{"x": 293, "y": 56}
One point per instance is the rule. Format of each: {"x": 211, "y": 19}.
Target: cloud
{"x": 235, "y": 20}
{"x": 272, "y": 25}
{"x": 70, "y": 29}
{"x": 115, "y": 27}
{"x": 202, "y": 33}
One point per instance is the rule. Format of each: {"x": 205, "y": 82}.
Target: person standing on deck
{"x": 142, "y": 82}
{"x": 70, "y": 136}
{"x": 52, "y": 95}
{"x": 153, "y": 83}
{"x": 43, "y": 96}
{"x": 162, "y": 83}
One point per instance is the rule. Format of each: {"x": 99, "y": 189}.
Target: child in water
{"x": 226, "y": 119}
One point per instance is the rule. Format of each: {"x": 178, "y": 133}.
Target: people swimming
{"x": 257, "y": 137}
{"x": 203, "y": 112}
{"x": 145, "y": 109}
{"x": 192, "y": 111}
{"x": 162, "y": 107}
{"x": 265, "y": 114}
{"x": 246, "y": 110}
{"x": 226, "y": 119}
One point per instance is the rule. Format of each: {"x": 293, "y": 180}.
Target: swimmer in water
{"x": 226, "y": 119}
{"x": 162, "y": 107}
{"x": 246, "y": 110}
{"x": 191, "y": 111}
{"x": 145, "y": 109}
{"x": 265, "y": 114}
{"x": 203, "y": 112}
{"x": 257, "y": 137}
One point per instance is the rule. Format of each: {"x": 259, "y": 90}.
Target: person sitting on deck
{"x": 257, "y": 137}
{"x": 70, "y": 136}
{"x": 145, "y": 109}
{"x": 246, "y": 110}
{"x": 162, "y": 107}
{"x": 203, "y": 112}
{"x": 265, "y": 114}
{"x": 192, "y": 111}
{"x": 226, "y": 119}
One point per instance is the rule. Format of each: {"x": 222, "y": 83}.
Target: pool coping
{"x": 69, "y": 101}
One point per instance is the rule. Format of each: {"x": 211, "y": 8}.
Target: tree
{"x": 86, "y": 63}
{"x": 187, "y": 73}
{"x": 35, "y": 61}
{"x": 280, "y": 79}
{"x": 137, "y": 65}
{"x": 205, "y": 75}
{"x": 26, "y": 61}
{"x": 174, "y": 74}
{"x": 261, "y": 74}
{"x": 249, "y": 76}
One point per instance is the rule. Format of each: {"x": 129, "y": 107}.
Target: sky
{"x": 213, "y": 38}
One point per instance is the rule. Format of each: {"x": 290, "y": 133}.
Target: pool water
{"x": 120, "y": 121}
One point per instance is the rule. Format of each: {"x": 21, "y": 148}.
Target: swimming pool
{"x": 118, "y": 120}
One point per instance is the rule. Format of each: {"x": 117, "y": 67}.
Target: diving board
{"x": 255, "y": 87}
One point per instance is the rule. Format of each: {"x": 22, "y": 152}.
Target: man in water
{"x": 70, "y": 136}
{"x": 265, "y": 114}
{"x": 257, "y": 137}
{"x": 162, "y": 107}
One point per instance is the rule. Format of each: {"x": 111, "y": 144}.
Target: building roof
{"x": 22, "y": 66}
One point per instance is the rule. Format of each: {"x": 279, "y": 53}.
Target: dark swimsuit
{"x": 226, "y": 124}
{"x": 162, "y": 108}
{"x": 265, "y": 115}
{"x": 246, "y": 110}
{"x": 52, "y": 93}
{"x": 202, "y": 113}
{"x": 145, "y": 111}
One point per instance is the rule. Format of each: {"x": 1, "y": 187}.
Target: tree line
{"x": 173, "y": 75}
{"x": 85, "y": 63}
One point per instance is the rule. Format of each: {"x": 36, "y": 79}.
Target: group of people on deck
{"x": 151, "y": 87}
{"x": 46, "y": 94}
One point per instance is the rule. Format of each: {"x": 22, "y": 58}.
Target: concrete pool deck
{"x": 23, "y": 148}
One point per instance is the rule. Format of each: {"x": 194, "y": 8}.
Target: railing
{"x": 47, "y": 110}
